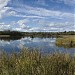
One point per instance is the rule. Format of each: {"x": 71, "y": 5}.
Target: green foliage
{"x": 35, "y": 34}
{"x": 34, "y": 63}
{"x": 11, "y": 33}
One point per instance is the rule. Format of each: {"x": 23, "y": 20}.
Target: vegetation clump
{"x": 32, "y": 62}
{"x": 66, "y": 41}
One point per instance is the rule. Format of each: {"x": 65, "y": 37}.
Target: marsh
{"x": 45, "y": 45}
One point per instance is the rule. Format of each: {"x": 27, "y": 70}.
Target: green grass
{"x": 34, "y": 63}
{"x": 66, "y": 41}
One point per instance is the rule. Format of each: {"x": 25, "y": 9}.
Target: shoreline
{"x": 4, "y": 35}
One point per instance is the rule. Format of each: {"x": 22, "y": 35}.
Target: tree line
{"x": 36, "y": 34}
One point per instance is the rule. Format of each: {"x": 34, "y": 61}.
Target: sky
{"x": 37, "y": 15}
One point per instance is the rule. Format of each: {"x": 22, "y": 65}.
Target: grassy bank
{"x": 34, "y": 63}
{"x": 66, "y": 41}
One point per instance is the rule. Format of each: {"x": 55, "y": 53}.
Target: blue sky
{"x": 37, "y": 15}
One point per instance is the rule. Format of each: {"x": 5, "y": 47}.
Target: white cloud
{"x": 11, "y": 13}
{"x": 4, "y": 26}
{"x": 35, "y": 12}
{"x": 1, "y": 23}
{"x": 54, "y": 26}
{"x": 42, "y": 12}
{"x": 3, "y": 3}
{"x": 3, "y": 9}
{"x": 22, "y": 23}
{"x": 51, "y": 26}
{"x": 8, "y": 11}
{"x": 25, "y": 16}
{"x": 67, "y": 2}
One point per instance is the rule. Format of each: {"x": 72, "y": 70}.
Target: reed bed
{"x": 66, "y": 41}
{"x": 32, "y": 62}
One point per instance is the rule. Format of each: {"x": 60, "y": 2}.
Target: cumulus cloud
{"x": 4, "y": 26}
{"x": 22, "y": 24}
{"x": 40, "y": 18}
{"x": 54, "y": 27}
{"x": 50, "y": 26}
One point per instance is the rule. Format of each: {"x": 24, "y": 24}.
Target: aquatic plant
{"x": 66, "y": 41}
{"x": 32, "y": 62}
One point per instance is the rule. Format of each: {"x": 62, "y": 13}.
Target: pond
{"x": 45, "y": 45}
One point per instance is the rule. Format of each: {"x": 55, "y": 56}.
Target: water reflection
{"x": 46, "y": 45}
{"x": 10, "y": 38}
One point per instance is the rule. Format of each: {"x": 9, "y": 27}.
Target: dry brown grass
{"x": 66, "y": 41}
{"x": 34, "y": 63}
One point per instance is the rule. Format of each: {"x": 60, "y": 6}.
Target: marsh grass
{"x": 34, "y": 63}
{"x": 66, "y": 41}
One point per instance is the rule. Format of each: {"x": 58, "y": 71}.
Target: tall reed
{"x": 32, "y": 62}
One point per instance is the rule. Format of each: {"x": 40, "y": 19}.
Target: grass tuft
{"x": 66, "y": 41}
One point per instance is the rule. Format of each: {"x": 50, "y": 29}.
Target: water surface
{"x": 45, "y": 45}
